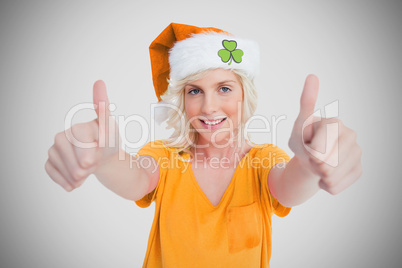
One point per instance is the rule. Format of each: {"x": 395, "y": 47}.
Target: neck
{"x": 206, "y": 150}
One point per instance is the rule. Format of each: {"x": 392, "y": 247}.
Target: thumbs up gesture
{"x": 325, "y": 146}
{"x": 78, "y": 151}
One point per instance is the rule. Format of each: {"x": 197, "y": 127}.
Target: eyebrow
{"x": 217, "y": 84}
{"x": 225, "y": 81}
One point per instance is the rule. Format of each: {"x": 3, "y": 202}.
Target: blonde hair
{"x": 184, "y": 135}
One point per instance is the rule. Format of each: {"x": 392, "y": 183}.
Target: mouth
{"x": 213, "y": 123}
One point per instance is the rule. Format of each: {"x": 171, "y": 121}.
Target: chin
{"x": 219, "y": 139}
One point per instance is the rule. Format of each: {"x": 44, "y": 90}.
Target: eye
{"x": 194, "y": 91}
{"x": 225, "y": 89}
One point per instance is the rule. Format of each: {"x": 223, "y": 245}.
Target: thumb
{"x": 309, "y": 96}
{"x": 100, "y": 99}
{"x": 101, "y": 104}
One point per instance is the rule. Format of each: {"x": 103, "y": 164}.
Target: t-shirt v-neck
{"x": 232, "y": 181}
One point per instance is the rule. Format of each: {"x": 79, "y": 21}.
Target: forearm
{"x": 123, "y": 176}
{"x": 295, "y": 184}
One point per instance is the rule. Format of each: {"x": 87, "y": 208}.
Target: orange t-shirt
{"x": 188, "y": 231}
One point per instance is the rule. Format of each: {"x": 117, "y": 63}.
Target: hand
{"x": 78, "y": 151}
{"x": 325, "y": 147}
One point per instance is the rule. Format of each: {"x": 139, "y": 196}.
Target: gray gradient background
{"x": 51, "y": 53}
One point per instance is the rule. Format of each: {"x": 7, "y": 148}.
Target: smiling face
{"x": 213, "y": 106}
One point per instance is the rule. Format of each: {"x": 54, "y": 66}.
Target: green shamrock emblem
{"x": 230, "y": 52}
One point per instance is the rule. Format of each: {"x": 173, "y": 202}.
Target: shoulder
{"x": 268, "y": 155}
{"x": 158, "y": 149}
{"x": 267, "y": 149}
{"x": 155, "y": 149}
{"x": 157, "y": 144}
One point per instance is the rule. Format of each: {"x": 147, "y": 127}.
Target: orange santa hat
{"x": 181, "y": 50}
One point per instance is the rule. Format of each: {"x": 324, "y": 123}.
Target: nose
{"x": 210, "y": 104}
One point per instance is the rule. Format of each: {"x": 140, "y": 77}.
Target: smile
{"x": 213, "y": 123}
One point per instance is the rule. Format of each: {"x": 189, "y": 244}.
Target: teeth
{"x": 213, "y": 122}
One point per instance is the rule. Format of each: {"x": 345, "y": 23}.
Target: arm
{"x": 292, "y": 184}
{"x": 127, "y": 178}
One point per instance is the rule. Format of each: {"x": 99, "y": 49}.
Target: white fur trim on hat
{"x": 200, "y": 52}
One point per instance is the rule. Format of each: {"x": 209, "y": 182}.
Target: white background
{"x": 52, "y": 52}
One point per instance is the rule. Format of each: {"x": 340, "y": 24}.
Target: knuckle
{"x": 353, "y": 135}
{"x": 324, "y": 170}
{"x": 329, "y": 184}
{"x": 50, "y": 152}
{"x": 48, "y": 167}
{"x": 52, "y": 155}
{"x": 59, "y": 138}
{"x": 86, "y": 161}
{"x": 80, "y": 161}
{"x": 85, "y": 157}
{"x": 333, "y": 191}
{"x": 67, "y": 186}
{"x": 76, "y": 184}
{"x": 78, "y": 174}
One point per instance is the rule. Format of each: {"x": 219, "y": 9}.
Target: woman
{"x": 214, "y": 190}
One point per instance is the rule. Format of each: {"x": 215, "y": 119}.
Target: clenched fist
{"x": 78, "y": 151}
{"x": 324, "y": 146}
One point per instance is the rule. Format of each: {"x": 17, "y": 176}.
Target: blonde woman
{"x": 214, "y": 190}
